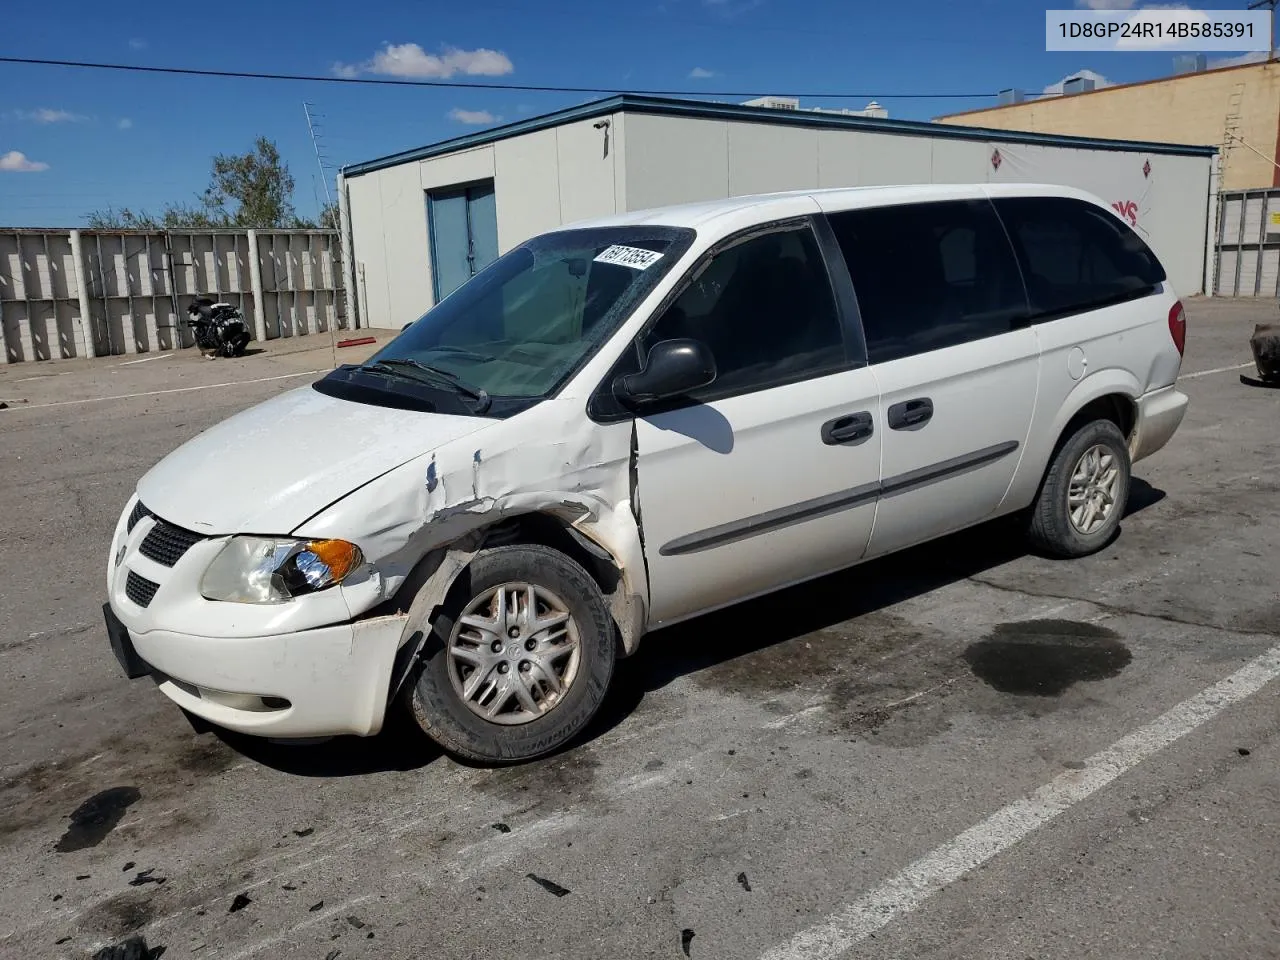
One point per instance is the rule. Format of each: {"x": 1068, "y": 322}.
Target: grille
{"x": 138, "y": 512}
{"x": 165, "y": 543}
{"x": 139, "y": 589}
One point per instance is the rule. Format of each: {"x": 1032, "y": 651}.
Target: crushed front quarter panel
{"x": 550, "y": 459}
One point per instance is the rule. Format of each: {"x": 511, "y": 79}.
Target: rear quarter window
{"x": 929, "y": 275}
{"x": 1075, "y": 255}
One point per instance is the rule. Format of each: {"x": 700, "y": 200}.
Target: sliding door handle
{"x": 911, "y": 413}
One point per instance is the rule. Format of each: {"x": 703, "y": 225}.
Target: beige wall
{"x": 1191, "y": 109}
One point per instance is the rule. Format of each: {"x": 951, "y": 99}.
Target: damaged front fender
{"x": 444, "y": 500}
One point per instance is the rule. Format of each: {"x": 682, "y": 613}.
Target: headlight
{"x": 268, "y": 570}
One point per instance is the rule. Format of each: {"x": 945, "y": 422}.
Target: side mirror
{"x": 673, "y": 367}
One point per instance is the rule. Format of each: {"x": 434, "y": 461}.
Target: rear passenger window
{"x": 1076, "y": 255}
{"x": 930, "y": 275}
{"x": 766, "y": 311}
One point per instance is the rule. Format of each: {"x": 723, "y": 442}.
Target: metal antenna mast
{"x": 313, "y": 128}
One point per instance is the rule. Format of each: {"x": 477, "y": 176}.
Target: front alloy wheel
{"x": 518, "y": 659}
{"x": 514, "y": 653}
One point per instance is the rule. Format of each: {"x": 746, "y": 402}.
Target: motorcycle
{"x": 219, "y": 328}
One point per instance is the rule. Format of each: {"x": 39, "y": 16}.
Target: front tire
{"x": 1084, "y": 493}
{"x": 518, "y": 660}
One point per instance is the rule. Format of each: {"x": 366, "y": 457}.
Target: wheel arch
{"x": 425, "y": 588}
{"x": 1105, "y": 395}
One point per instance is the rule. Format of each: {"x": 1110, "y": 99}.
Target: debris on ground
{"x": 549, "y": 885}
{"x": 241, "y": 901}
{"x": 145, "y": 877}
{"x": 744, "y": 882}
{"x": 686, "y": 938}
{"x": 134, "y": 948}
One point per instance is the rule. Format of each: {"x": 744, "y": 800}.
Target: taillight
{"x": 1178, "y": 326}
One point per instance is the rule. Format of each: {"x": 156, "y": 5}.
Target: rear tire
{"x": 1084, "y": 493}
{"x": 495, "y": 685}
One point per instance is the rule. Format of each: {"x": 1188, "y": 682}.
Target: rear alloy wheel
{"x": 1084, "y": 493}
{"x": 519, "y": 658}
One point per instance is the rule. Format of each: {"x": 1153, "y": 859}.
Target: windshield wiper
{"x": 400, "y": 366}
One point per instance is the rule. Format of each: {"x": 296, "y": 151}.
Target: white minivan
{"x": 629, "y": 422}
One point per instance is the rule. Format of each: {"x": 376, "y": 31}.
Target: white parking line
{"x": 156, "y": 356}
{"x": 1205, "y": 373}
{"x": 948, "y": 863}
{"x": 156, "y": 393}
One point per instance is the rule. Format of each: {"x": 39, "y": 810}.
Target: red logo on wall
{"x": 1128, "y": 210}
{"x": 996, "y": 159}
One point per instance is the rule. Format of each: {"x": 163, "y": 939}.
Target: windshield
{"x": 522, "y": 325}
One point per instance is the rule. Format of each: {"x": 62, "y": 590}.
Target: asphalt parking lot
{"x": 961, "y": 751}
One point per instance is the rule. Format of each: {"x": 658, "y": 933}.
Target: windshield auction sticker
{"x": 1158, "y": 27}
{"x": 633, "y": 257}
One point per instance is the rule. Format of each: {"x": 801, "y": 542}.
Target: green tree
{"x": 249, "y": 190}
{"x": 326, "y": 220}
{"x": 254, "y": 189}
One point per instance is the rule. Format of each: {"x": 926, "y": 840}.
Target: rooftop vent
{"x": 1078, "y": 85}
{"x": 1189, "y": 63}
{"x": 1011, "y": 95}
{"x": 774, "y": 103}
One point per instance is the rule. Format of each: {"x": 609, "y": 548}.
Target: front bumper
{"x": 1160, "y": 413}
{"x": 314, "y": 683}
{"x": 309, "y": 667}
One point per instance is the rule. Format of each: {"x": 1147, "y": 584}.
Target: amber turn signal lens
{"x": 338, "y": 555}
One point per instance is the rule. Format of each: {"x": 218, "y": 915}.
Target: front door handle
{"x": 912, "y": 413}
{"x": 850, "y": 429}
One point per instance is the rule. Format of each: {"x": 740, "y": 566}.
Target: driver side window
{"x": 765, "y": 310}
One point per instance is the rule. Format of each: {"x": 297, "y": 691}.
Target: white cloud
{"x": 137, "y": 43}
{"x": 459, "y": 115}
{"x": 1099, "y": 81}
{"x": 410, "y": 60}
{"x": 701, "y": 73}
{"x": 47, "y": 115}
{"x": 1107, "y": 4}
{"x": 16, "y": 162}
{"x": 124, "y": 123}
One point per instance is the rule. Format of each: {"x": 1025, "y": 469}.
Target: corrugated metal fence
{"x": 1248, "y": 244}
{"x": 93, "y": 293}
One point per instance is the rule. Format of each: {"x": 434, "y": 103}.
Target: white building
{"x": 872, "y": 109}
{"x": 417, "y": 224}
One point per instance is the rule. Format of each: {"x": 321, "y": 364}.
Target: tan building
{"x": 1194, "y": 108}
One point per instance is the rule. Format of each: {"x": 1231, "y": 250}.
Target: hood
{"x": 271, "y": 467}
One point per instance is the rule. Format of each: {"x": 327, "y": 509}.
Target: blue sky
{"x": 72, "y": 141}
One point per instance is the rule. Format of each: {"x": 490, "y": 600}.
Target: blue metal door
{"x": 463, "y": 226}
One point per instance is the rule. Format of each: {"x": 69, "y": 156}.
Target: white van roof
{"x": 770, "y": 206}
